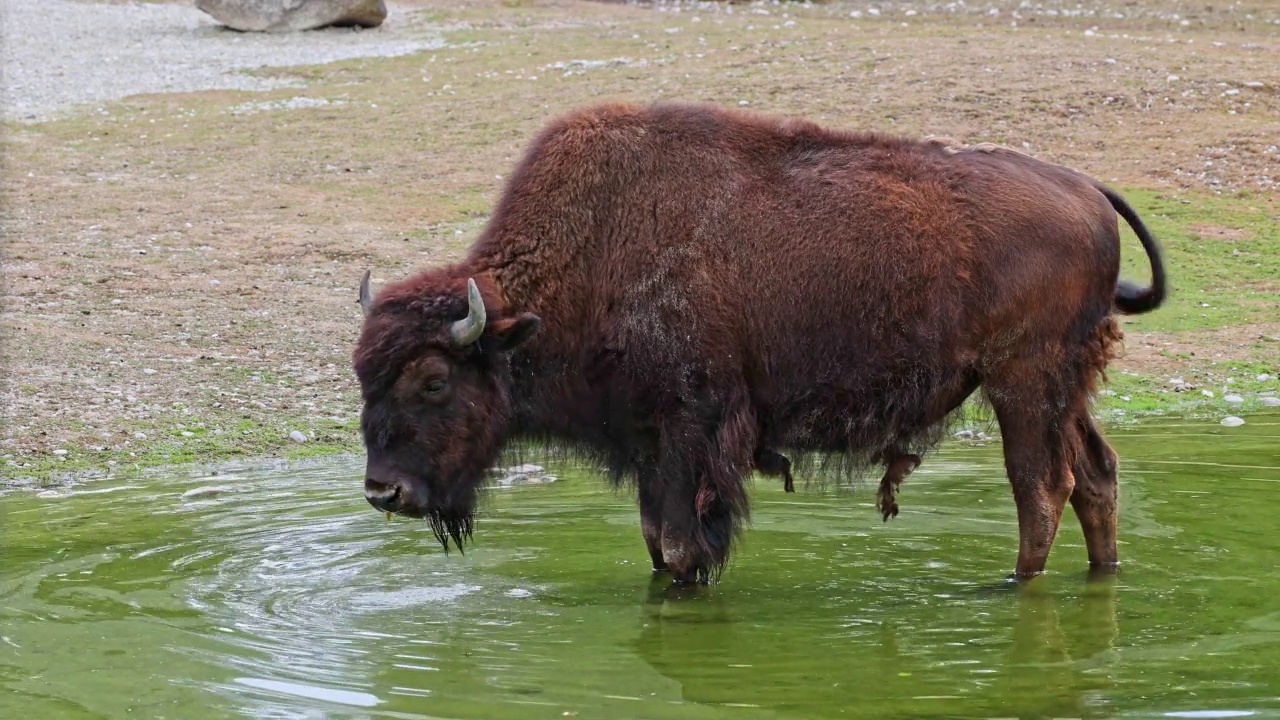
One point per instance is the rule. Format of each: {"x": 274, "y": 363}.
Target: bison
{"x": 679, "y": 291}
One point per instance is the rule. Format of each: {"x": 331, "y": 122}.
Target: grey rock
{"x": 523, "y": 475}
{"x": 525, "y": 469}
{"x": 1270, "y": 401}
{"x": 297, "y": 436}
{"x": 1233, "y": 399}
{"x": 1232, "y": 421}
{"x": 965, "y": 435}
{"x": 1264, "y": 377}
{"x": 294, "y": 15}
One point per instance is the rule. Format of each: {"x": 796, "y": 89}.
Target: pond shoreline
{"x": 69, "y": 473}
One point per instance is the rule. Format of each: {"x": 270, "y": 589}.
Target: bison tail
{"x": 1131, "y": 298}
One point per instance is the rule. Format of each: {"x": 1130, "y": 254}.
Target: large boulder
{"x": 291, "y": 15}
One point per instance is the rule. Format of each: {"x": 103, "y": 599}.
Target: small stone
{"x": 1270, "y": 401}
{"x": 1254, "y": 84}
{"x": 1207, "y": 393}
{"x": 965, "y": 435}
{"x": 1233, "y": 399}
{"x": 188, "y": 433}
{"x": 1263, "y": 377}
{"x": 1173, "y": 78}
{"x": 1110, "y": 61}
{"x": 215, "y": 283}
{"x": 148, "y": 371}
{"x": 1177, "y": 381}
{"x": 1232, "y": 421}
{"x": 297, "y": 436}
{"x": 140, "y": 435}
{"x": 60, "y": 452}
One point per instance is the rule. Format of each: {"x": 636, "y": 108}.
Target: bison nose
{"x": 387, "y": 497}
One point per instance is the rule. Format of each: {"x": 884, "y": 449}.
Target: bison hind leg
{"x": 773, "y": 464}
{"x": 899, "y": 466}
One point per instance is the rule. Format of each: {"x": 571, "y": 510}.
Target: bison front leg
{"x": 704, "y": 500}
{"x": 697, "y": 530}
{"x": 651, "y": 518}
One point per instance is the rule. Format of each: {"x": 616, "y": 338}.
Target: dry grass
{"x": 117, "y": 224}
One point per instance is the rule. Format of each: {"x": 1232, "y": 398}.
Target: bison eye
{"x": 435, "y": 387}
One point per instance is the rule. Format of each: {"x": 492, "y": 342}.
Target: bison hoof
{"x": 1101, "y": 571}
{"x": 889, "y": 511}
{"x": 695, "y": 576}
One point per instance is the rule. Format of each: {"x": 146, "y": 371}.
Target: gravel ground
{"x": 57, "y": 55}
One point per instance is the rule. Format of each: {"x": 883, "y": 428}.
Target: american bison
{"x": 678, "y": 291}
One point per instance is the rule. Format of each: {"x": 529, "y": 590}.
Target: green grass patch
{"x": 1222, "y": 256}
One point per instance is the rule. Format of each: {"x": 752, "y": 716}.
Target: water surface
{"x": 286, "y": 596}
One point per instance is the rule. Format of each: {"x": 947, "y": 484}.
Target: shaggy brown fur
{"x": 676, "y": 289}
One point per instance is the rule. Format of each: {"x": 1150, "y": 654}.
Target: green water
{"x": 290, "y": 598}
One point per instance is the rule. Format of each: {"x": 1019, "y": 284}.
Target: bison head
{"x": 437, "y": 396}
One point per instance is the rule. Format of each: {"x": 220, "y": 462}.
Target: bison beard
{"x": 684, "y": 292}
{"x": 446, "y": 524}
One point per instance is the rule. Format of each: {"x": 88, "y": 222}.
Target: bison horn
{"x": 470, "y": 328}
{"x": 366, "y": 295}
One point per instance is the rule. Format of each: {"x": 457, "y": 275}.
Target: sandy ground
{"x": 180, "y": 268}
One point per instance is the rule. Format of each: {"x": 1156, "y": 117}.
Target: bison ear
{"x": 508, "y": 333}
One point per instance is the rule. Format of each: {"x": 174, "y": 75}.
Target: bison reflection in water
{"x": 679, "y": 291}
{"x": 1028, "y": 653}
